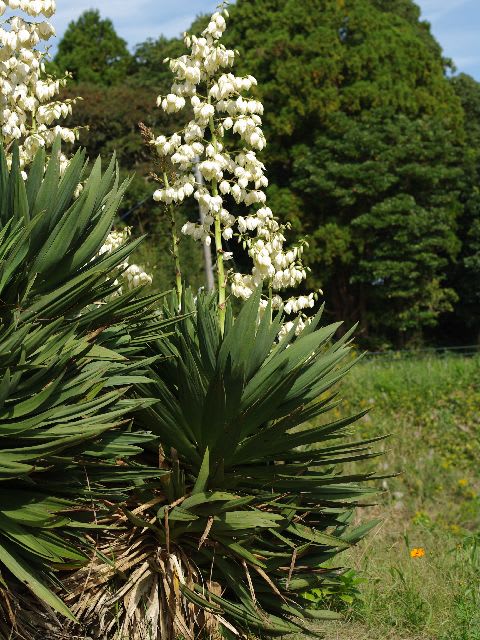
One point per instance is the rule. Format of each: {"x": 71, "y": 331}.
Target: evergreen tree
{"x": 109, "y": 117}
{"x": 393, "y": 208}
{"x": 150, "y": 68}
{"x": 92, "y": 51}
{"x": 366, "y": 134}
{"x": 465, "y": 277}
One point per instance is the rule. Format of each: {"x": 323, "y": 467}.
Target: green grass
{"x": 431, "y": 408}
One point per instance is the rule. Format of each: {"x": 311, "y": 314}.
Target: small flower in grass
{"x": 418, "y": 552}
{"x": 463, "y": 482}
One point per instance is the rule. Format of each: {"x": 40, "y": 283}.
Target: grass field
{"x": 432, "y": 409}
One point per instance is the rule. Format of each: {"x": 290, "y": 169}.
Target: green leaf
{"x": 35, "y": 177}
{"x": 23, "y": 572}
{"x": 202, "y": 478}
{"x": 17, "y": 201}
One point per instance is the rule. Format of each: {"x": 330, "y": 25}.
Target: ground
{"x": 431, "y": 408}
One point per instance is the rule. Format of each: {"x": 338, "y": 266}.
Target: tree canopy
{"x": 370, "y": 155}
{"x": 364, "y": 152}
{"x": 92, "y": 51}
{"x": 465, "y": 272}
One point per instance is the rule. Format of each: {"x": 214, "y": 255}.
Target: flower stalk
{"x": 222, "y": 140}
{"x": 175, "y": 246}
{"x": 30, "y": 111}
{"x": 222, "y": 283}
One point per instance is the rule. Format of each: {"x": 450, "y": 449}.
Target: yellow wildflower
{"x": 418, "y": 552}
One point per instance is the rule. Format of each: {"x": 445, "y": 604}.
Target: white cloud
{"x": 175, "y": 27}
{"x": 468, "y": 62}
{"x": 150, "y": 18}
{"x": 433, "y": 10}
{"x": 115, "y": 9}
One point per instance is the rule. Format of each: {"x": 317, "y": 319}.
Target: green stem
{"x": 270, "y": 297}
{"x": 175, "y": 243}
{"x": 222, "y": 284}
{"x": 220, "y": 266}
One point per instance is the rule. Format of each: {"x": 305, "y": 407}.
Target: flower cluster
{"x": 28, "y": 109}
{"x": 222, "y": 140}
{"x": 130, "y": 274}
{"x": 33, "y": 8}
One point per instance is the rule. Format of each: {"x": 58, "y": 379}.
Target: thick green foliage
{"x": 465, "y": 275}
{"x": 367, "y": 148}
{"x": 102, "y": 133}
{"x": 389, "y": 218}
{"x": 92, "y": 51}
{"x": 150, "y": 68}
{"x": 257, "y": 500}
{"x": 365, "y": 138}
{"x": 67, "y": 358}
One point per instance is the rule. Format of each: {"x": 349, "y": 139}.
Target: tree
{"x": 31, "y": 113}
{"x": 150, "y": 68}
{"x": 390, "y": 215}
{"x": 109, "y": 117}
{"x": 365, "y": 132}
{"x": 465, "y": 276}
{"x": 92, "y": 51}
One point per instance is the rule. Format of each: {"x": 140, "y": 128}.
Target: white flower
{"x": 131, "y": 274}
{"x": 228, "y": 164}
{"x": 228, "y": 233}
{"x": 28, "y": 107}
{"x": 224, "y": 187}
{"x": 173, "y": 103}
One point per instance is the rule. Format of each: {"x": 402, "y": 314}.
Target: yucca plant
{"x": 69, "y": 351}
{"x": 257, "y": 503}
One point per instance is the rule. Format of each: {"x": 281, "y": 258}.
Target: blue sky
{"x": 455, "y": 23}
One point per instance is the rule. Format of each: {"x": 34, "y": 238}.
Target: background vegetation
{"x": 373, "y": 153}
{"x": 431, "y": 408}
{"x": 373, "y": 156}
